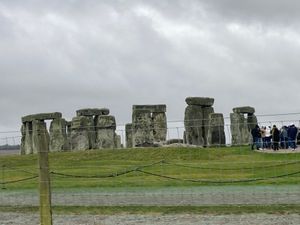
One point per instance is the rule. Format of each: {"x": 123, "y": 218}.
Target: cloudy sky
{"x": 66, "y": 55}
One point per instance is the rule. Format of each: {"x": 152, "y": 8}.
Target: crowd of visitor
{"x": 266, "y": 137}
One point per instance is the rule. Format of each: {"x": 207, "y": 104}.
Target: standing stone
{"x": 23, "y": 136}
{"x": 252, "y": 121}
{"x": 79, "y": 133}
{"x": 128, "y": 133}
{"x": 216, "y": 133}
{"x": 206, "y": 111}
{"x": 118, "y": 144}
{"x": 39, "y": 128}
{"x": 27, "y": 145}
{"x": 91, "y": 132}
{"x": 193, "y": 121}
{"x": 142, "y": 131}
{"x": 58, "y": 135}
{"x": 159, "y": 121}
{"x": 105, "y": 133}
{"x": 236, "y": 121}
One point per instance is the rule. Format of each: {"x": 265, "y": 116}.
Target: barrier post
{"x": 41, "y": 142}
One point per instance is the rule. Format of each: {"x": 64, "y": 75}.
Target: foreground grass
{"x": 183, "y": 164}
{"x": 205, "y": 210}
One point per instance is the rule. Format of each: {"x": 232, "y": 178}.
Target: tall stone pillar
{"x": 79, "y": 134}
{"x": 58, "y": 135}
{"x": 105, "y": 133}
{"x": 196, "y": 120}
{"x": 241, "y": 126}
{"x": 39, "y": 129}
{"x": 142, "y": 131}
{"x": 128, "y": 133}
{"x": 216, "y": 132}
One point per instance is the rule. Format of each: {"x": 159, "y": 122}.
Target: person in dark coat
{"x": 292, "y": 135}
{"x": 256, "y": 137}
{"x": 275, "y": 138}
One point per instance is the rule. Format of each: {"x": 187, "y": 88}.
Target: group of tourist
{"x": 272, "y": 138}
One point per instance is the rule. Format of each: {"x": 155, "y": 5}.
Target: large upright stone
{"x": 128, "y": 133}
{"x": 118, "y": 142}
{"x": 216, "y": 133}
{"x": 200, "y": 101}
{"x": 206, "y": 111}
{"x": 239, "y": 129}
{"x": 39, "y": 128}
{"x": 159, "y": 121}
{"x": 193, "y": 121}
{"x": 80, "y": 133}
{"x": 252, "y": 121}
{"x": 58, "y": 135}
{"x": 142, "y": 130}
{"x": 105, "y": 132}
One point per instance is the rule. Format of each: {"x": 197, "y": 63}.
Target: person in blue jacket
{"x": 292, "y": 135}
{"x": 256, "y": 137}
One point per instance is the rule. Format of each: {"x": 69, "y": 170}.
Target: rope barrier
{"x": 232, "y": 169}
{"x": 217, "y": 181}
{"x": 20, "y": 180}
{"x": 117, "y": 174}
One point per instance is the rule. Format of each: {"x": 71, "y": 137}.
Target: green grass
{"x": 205, "y": 210}
{"x": 183, "y": 163}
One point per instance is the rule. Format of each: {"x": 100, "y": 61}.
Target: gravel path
{"x": 212, "y": 195}
{"x": 156, "y": 219}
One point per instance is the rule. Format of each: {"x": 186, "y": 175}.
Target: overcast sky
{"x": 66, "y": 55}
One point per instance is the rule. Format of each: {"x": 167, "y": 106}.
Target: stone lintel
{"x": 200, "y": 101}
{"x": 41, "y": 116}
{"x": 92, "y": 112}
{"x": 152, "y": 108}
{"x": 244, "y": 110}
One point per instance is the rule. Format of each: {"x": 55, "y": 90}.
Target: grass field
{"x": 154, "y": 167}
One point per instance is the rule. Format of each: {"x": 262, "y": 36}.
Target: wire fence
{"x": 174, "y": 176}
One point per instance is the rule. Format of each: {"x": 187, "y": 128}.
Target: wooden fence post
{"x": 41, "y": 142}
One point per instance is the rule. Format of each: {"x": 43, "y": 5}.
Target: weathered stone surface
{"x": 159, "y": 123}
{"x": 58, "y": 135}
{"x": 40, "y": 136}
{"x": 42, "y": 116}
{"x": 105, "y": 132}
{"x": 142, "y": 130}
{"x": 151, "y": 108}
{"x": 244, "y": 110}
{"x": 118, "y": 144}
{"x": 206, "y": 111}
{"x": 239, "y": 129}
{"x": 174, "y": 141}
{"x": 92, "y": 112}
{"x": 80, "y": 139}
{"x": 26, "y": 145}
{"x": 252, "y": 121}
{"x": 39, "y": 131}
{"x": 128, "y": 133}
{"x": 216, "y": 132}
{"x": 193, "y": 121}
{"x": 200, "y": 101}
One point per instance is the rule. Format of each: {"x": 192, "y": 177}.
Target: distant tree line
{"x": 9, "y": 147}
